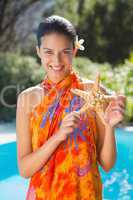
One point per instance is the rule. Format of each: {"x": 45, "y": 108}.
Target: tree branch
{"x": 16, "y": 14}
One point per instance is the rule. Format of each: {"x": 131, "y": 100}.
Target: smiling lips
{"x": 56, "y": 68}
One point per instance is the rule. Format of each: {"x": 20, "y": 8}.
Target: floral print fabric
{"x": 71, "y": 173}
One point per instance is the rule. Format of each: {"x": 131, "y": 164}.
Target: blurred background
{"x": 107, "y": 27}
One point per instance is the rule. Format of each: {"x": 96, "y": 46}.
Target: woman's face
{"x": 56, "y": 53}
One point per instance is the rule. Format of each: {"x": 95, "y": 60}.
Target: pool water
{"x": 118, "y": 183}
{"x": 12, "y": 186}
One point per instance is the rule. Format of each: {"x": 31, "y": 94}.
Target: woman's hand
{"x": 114, "y": 112}
{"x": 68, "y": 124}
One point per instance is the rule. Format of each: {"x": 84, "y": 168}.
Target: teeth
{"x": 57, "y": 68}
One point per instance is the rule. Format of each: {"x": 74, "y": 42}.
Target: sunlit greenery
{"x": 118, "y": 80}
{"x": 106, "y": 26}
{"x": 16, "y": 74}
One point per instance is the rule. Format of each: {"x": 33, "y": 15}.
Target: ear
{"x": 38, "y": 51}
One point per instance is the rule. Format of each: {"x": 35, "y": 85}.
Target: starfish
{"x": 94, "y": 99}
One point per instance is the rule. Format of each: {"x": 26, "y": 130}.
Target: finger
{"x": 110, "y": 106}
{"x": 115, "y": 106}
{"x": 120, "y": 104}
{"x": 72, "y": 114}
{"x": 118, "y": 109}
{"x": 121, "y": 98}
{"x": 71, "y": 126}
{"x": 120, "y": 117}
{"x": 76, "y": 114}
{"x": 70, "y": 123}
{"x": 117, "y": 103}
{"x": 72, "y": 119}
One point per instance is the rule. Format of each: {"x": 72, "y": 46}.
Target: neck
{"x": 56, "y": 80}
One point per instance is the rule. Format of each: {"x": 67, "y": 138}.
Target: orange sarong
{"x": 71, "y": 173}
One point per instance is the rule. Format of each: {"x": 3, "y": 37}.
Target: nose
{"x": 57, "y": 59}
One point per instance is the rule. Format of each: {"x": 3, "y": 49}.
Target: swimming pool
{"x": 118, "y": 183}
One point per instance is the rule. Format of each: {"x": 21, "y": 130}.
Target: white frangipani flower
{"x": 79, "y": 44}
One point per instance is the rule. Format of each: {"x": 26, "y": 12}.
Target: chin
{"x": 57, "y": 76}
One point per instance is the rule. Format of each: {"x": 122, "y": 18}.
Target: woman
{"x": 58, "y": 148}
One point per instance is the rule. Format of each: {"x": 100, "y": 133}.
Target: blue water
{"x": 118, "y": 183}
{"x": 12, "y": 186}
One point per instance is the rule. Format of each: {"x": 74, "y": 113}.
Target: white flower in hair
{"x": 79, "y": 44}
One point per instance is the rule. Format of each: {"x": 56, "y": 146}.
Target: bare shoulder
{"x": 31, "y": 91}
{"x": 30, "y": 97}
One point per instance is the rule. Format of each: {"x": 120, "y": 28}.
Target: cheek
{"x": 68, "y": 59}
{"x": 45, "y": 61}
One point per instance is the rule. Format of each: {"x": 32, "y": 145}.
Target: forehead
{"x": 56, "y": 40}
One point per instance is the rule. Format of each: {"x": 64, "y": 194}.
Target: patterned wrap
{"x": 71, "y": 173}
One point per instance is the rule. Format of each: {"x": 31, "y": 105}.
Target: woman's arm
{"x": 30, "y": 162}
{"x": 106, "y": 144}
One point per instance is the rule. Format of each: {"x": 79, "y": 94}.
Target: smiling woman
{"x": 56, "y": 52}
{"x": 56, "y": 49}
{"x": 59, "y": 148}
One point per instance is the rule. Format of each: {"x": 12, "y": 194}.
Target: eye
{"x": 48, "y": 52}
{"x": 67, "y": 51}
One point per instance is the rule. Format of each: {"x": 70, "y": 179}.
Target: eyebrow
{"x": 66, "y": 49}
{"x": 47, "y": 49}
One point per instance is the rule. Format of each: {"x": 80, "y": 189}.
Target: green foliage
{"x": 16, "y": 73}
{"x": 131, "y": 58}
{"x": 106, "y": 26}
{"x": 89, "y": 69}
{"x": 119, "y": 80}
